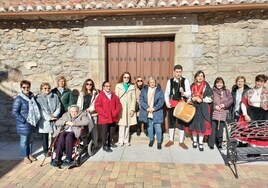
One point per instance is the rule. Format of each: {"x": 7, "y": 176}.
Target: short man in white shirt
{"x": 178, "y": 88}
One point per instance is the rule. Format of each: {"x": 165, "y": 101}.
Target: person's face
{"x": 25, "y": 89}
{"x": 107, "y": 87}
{"x": 152, "y": 83}
{"x": 61, "y": 83}
{"x": 46, "y": 89}
{"x": 259, "y": 84}
{"x": 240, "y": 83}
{"x": 139, "y": 82}
{"x": 126, "y": 78}
{"x": 177, "y": 73}
{"x": 219, "y": 84}
{"x": 89, "y": 85}
{"x": 73, "y": 112}
{"x": 200, "y": 78}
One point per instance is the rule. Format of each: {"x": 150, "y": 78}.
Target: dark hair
{"x": 218, "y": 79}
{"x": 199, "y": 72}
{"x": 121, "y": 77}
{"x": 84, "y": 89}
{"x": 261, "y": 78}
{"x": 25, "y": 82}
{"x": 105, "y": 82}
{"x": 177, "y": 67}
{"x": 240, "y": 77}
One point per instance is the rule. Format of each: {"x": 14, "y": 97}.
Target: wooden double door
{"x": 141, "y": 57}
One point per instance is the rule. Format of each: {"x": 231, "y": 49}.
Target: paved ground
{"x": 133, "y": 166}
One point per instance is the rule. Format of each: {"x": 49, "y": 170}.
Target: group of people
{"x": 137, "y": 104}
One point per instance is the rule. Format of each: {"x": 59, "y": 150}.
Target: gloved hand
{"x": 207, "y": 100}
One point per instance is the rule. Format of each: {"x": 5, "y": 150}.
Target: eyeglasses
{"x": 25, "y": 87}
{"x": 139, "y": 80}
{"x": 89, "y": 84}
{"x": 126, "y": 77}
{"x": 107, "y": 86}
{"x": 46, "y": 88}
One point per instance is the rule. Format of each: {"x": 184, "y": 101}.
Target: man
{"x": 178, "y": 88}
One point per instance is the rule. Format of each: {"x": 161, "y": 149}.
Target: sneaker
{"x": 183, "y": 145}
{"x": 27, "y": 160}
{"x": 128, "y": 144}
{"x": 32, "y": 158}
{"x": 120, "y": 144}
{"x": 113, "y": 146}
{"x": 159, "y": 146}
{"x": 107, "y": 149}
{"x": 151, "y": 143}
{"x": 67, "y": 162}
{"x": 194, "y": 144}
{"x": 169, "y": 143}
{"x": 56, "y": 163}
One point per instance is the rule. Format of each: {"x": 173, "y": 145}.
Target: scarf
{"x": 45, "y": 103}
{"x": 198, "y": 90}
{"x": 33, "y": 113}
{"x": 126, "y": 86}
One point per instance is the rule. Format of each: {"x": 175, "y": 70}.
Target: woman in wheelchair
{"x": 69, "y": 125}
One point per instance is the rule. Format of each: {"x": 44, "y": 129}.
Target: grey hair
{"x": 74, "y": 106}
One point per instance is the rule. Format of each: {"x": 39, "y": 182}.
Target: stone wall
{"x": 224, "y": 44}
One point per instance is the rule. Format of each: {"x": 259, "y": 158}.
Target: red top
{"x": 108, "y": 109}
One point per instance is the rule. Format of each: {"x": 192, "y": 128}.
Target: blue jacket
{"x": 20, "y": 113}
{"x": 158, "y": 115}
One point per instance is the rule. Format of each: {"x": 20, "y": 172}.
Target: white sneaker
{"x": 120, "y": 144}
{"x": 127, "y": 144}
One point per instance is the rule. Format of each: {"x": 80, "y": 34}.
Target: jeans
{"x": 26, "y": 145}
{"x": 158, "y": 130}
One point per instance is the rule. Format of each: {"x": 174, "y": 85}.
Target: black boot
{"x": 107, "y": 149}
{"x": 159, "y": 146}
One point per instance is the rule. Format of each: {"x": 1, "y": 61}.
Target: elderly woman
{"x": 151, "y": 112}
{"x": 70, "y": 125}
{"x": 238, "y": 91}
{"x": 64, "y": 94}
{"x": 108, "y": 107}
{"x": 255, "y": 102}
{"x": 26, "y": 113}
{"x": 127, "y": 95}
{"x": 49, "y": 105}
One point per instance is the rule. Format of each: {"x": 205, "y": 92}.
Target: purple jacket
{"x": 221, "y": 96}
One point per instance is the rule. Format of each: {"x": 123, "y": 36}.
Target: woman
{"x": 49, "y": 105}
{"x": 201, "y": 100}
{"x": 223, "y": 100}
{"x": 108, "y": 107}
{"x": 255, "y": 107}
{"x": 255, "y": 102}
{"x": 127, "y": 95}
{"x": 64, "y": 94}
{"x": 151, "y": 112}
{"x": 238, "y": 91}
{"x": 139, "y": 87}
{"x": 26, "y": 113}
{"x": 70, "y": 125}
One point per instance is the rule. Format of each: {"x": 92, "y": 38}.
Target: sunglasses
{"x": 107, "y": 86}
{"x": 46, "y": 88}
{"x": 89, "y": 84}
{"x": 126, "y": 77}
{"x": 25, "y": 87}
{"x": 139, "y": 81}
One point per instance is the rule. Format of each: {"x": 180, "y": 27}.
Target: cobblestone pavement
{"x": 103, "y": 171}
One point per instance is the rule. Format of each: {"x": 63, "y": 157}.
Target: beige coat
{"x": 128, "y": 102}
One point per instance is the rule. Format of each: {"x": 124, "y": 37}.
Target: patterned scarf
{"x": 33, "y": 113}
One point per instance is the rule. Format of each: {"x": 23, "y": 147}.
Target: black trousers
{"x": 172, "y": 120}
{"x": 216, "y": 134}
{"x": 45, "y": 142}
{"x": 107, "y": 133}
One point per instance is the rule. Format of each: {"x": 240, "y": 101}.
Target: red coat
{"x": 108, "y": 110}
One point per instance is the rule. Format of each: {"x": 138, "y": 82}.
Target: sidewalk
{"x": 133, "y": 166}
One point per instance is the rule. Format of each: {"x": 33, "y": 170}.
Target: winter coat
{"x": 20, "y": 111}
{"x": 234, "y": 90}
{"x": 108, "y": 110}
{"x": 66, "y": 99}
{"x": 221, "y": 96}
{"x": 128, "y": 102}
{"x": 158, "y": 115}
{"x": 81, "y": 122}
{"x": 138, "y": 92}
{"x": 80, "y": 102}
{"x": 49, "y": 106}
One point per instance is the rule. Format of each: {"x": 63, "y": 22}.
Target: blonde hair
{"x": 62, "y": 78}
{"x": 44, "y": 84}
{"x": 150, "y": 78}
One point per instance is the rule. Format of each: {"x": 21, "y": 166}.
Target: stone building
{"x": 100, "y": 39}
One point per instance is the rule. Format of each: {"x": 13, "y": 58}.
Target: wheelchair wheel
{"x": 91, "y": 148}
